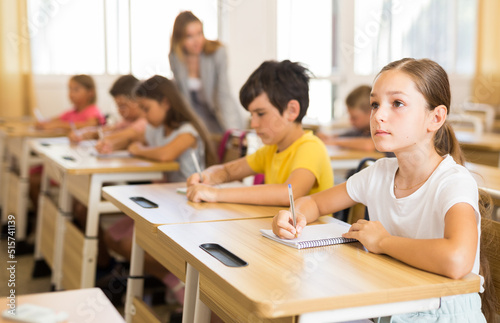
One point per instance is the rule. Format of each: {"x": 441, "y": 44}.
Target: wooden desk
{"x": 172, "y": 208}
{"x": 84, "y": 305}
{"x": 71, "y": 253}
{"x": 487, "y": 178}
{"x": 281, "y": 282}
{"x": 483, "y": 149}
{"x": 343, "y": 158}
{"x": 17, "y": 158}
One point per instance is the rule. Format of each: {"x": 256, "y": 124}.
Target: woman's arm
{"x": 452, "y": 256}
{"x": 229, "y": 110}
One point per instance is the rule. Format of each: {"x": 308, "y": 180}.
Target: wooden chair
{"x": 490, "y": 248}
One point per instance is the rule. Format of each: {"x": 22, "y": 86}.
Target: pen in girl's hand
{"x": 100, "y": 133}
{"x": 196, "y": 165}
{"x": 292, "y": 206}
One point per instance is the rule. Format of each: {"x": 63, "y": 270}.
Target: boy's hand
{"x": 283, "y": 224}
{"x": 104, "y": 147}
{"x": 369, "y": 233}
{"x": 201, "y": 193}
{"x": 195, "y": 179}
{"x": 135, "y": 148}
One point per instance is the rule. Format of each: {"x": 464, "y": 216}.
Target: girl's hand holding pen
{"x": 370, "y": 233}
{"x": 135, "y": 148}
{"x": 201, "y": 193}
{"x": 104, "y": 147}
{"x": 283, "y": 224}
{"x": 75, "y": 137}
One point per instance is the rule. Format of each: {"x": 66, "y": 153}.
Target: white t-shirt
{"x": 155, "y": 137}
{"x": 421, "y": 214}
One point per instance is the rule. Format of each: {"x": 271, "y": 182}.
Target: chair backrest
{"x": 235, "y": 144}
{"x": 466, "y": 122}
{"x": 359, "y": 211}
{"x": 485, "y": 112}
{"x": 490, "y": 247}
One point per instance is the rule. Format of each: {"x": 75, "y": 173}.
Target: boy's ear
{"x": 292, "y": 110}
{"x": 438, "y": 117}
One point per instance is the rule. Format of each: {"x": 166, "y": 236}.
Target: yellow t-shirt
{"x": 307, "y": 152}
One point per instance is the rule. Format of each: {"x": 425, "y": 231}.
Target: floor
{"x": 26, "y": 284}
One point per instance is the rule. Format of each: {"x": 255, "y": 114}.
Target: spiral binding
{"x": 323, "y": 242}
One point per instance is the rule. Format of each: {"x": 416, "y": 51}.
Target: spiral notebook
{"x": 315, "y": 235}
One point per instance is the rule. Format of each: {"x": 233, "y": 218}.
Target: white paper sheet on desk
{"x": 183, "y": 190}
{"x": 114, "y": 154}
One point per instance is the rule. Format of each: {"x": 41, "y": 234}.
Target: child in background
{"x": 82, "y": 94}
{"x": 277, "y": 97}
{"x": 423, "y": 204}
{"x": 85, "y": 113}
{"x": 121, "y": 135}
{"x": 173, "y": 131}
{"x": 359, "y": 109}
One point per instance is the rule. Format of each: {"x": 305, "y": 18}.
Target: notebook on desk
{"x": 315, "y": 235}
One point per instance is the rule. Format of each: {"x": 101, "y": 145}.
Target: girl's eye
{"x": 260, "y": 114}
{"x": 374, "y": 105}
{"x": 398, "y": 104}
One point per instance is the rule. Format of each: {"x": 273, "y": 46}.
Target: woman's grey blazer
{"x": 215, "y": 87}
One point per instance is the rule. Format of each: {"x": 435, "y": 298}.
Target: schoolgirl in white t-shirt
{"x": 423, "y": 204}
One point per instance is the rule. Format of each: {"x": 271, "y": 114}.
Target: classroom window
{"x": 442, "y": 30}
{"x": 110, "y": 36}
{"x": 307, "y": 33}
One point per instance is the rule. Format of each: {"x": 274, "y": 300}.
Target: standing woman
{"x": 200, "y": 71}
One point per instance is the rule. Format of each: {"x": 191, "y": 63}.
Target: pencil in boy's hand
{"x": 196, "y": 165}
{"x": 292, "y": 205}
{"x": 72, "y": 125}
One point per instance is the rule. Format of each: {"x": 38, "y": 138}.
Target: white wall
{"x": 248, "y": 29}
{"x": 52, "y": 94}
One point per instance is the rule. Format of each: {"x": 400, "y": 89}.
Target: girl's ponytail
{"x": 445, "y": 142}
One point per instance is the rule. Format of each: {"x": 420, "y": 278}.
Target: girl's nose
{"x": 380, "y": 114}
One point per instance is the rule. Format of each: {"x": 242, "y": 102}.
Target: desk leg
{"x": 6, "y": 160}
{"x": 3, "y": 173}
{"x": 135, "y": 282}
{"x": 44, "y": 188}
{"x": 190, "y": 295}
{"x": 202, "y": 312}
{"x": 22, "y": 192}
{"x": 64, "y": 215}
{"x": 91, "y": 230}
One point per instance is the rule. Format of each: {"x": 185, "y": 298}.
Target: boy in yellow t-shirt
{"x": 277, "y": 97}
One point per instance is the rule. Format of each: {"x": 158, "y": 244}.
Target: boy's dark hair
{"x": 359, "y": 98}
{"x": 282, "y": 82}
{"x": 124, "y": 85}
